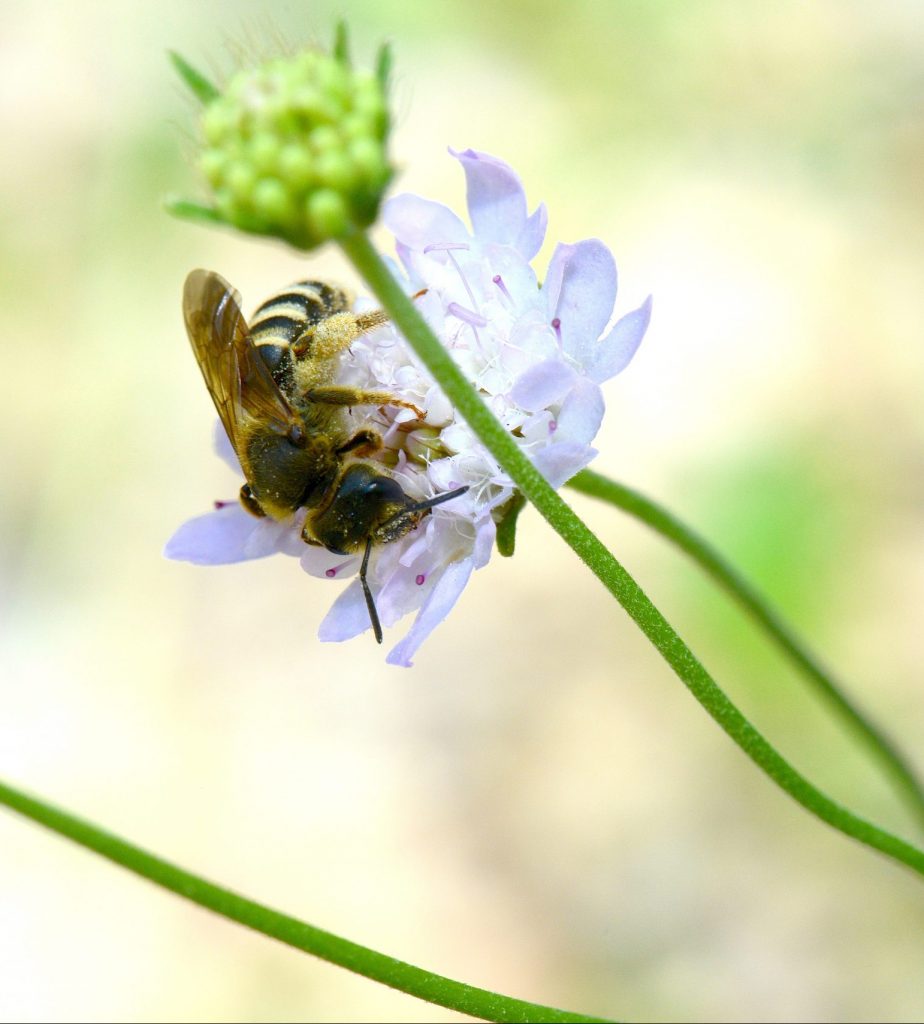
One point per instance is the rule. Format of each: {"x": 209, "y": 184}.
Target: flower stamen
{"x": 499, "y": 281}
{"x": 475, "y": 319}
{"x": 445, "y": 246}
{"x": 556, "y": 327}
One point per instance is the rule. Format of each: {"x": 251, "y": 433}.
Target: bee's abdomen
{"x": 281, "y": 319}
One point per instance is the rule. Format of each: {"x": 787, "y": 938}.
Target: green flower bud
{"x": 327, "y": 214}
{"x": 213, "y": 166}
{"x": 272, "y": 201}
{"x": 296, "y": 148}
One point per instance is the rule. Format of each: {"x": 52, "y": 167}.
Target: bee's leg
{"x": 363, "y": 442}
{"x": 335, "y": 333}
{"x": 250, "y": 502}
{"x": 336, "y": 394}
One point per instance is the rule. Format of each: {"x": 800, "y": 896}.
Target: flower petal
{"x": 581, "y": 291}
{"x": 485, "y": 536}
{"x": 543, "y": 385}
{"x": 559, "y": 462}
{"x": 437, "y": 606}
{"x": 417, "y": 222}
{"x": 271, "y": 538}
{"x": 324, "y": 564}
{"x": 581, "y": 413}
{"x": 401, "y": 594}
{"x": 229, "y": 534}
{"x": 497, "y": 203}
{"x": 532, "y": 236}
{"x": 616, "y": 350}
{"x": 348, "y": 616}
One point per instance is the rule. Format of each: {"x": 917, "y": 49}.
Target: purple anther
{"x": 330, "y": 573}
{"x": 444, "y": 246}
{"x": 475, "y": 319}
{"x": 553, "y": 426}
{"x": 556, "y": 326}
{"x": 221, "y": 504}
{"x": 499, "y": 281}
{"x": 420, "y": 580}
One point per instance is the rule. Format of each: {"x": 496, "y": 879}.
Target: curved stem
{"x": 604, "y": 565}
{"x": 661, "y": 521}
{"x": 415, "y": 981}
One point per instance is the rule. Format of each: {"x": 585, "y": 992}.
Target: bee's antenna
{"x": 422, "y": 506}
{"x": 370, "y": 603}
{"x": 438, "y": 500}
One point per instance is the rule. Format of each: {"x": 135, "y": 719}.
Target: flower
{"x": 538, "y": 355}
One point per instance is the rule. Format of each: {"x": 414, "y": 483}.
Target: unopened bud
{"x": 296, "y": 148}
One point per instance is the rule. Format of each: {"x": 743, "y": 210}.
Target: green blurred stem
{"x": 894, "y": 763}
{"x": 342, "y": 43}
{"x": 195, "y": 81}
{"x": 415, "y": 981}
{"x": 604, "y": 565}
{"x": 187, "y": 209}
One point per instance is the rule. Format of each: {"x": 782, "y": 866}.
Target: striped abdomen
{"x": 281, "y": 320}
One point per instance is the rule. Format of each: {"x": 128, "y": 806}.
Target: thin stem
{"x": 415, "y": 981}
{"x": 188, "y": 209}
{"x": 195, "y": 81}
{"x": 604, "y": 565}
{"x": 662, "y": 521}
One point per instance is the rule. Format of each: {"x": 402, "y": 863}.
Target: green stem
{"x": 604, "y": 565}
{"x": 477, "y": 1002}
{"x": 661, "y": 521}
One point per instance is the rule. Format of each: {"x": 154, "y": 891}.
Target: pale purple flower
{"x": 537, "y": 354}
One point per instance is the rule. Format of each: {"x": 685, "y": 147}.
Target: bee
{"x": 274, "y": 387}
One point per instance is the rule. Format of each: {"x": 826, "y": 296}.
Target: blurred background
{"x": 538, "y": 806}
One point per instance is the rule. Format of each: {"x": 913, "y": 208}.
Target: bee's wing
{"x": 238, "y": 380}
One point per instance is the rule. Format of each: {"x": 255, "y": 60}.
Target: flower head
{"x": 296, "y": 147}
{"x": 537, "y": 354}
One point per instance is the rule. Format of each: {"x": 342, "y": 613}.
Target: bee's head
{"x": 369, "y": 504}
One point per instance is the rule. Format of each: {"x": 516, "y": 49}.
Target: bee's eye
{"x": 385, "y": 488}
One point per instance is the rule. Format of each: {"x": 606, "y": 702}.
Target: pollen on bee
{"x": 335, "y": 334}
